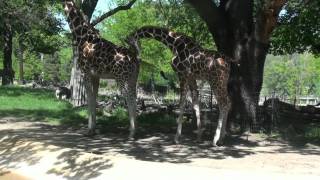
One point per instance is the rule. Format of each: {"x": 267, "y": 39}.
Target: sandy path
{"x": 40, "y": 151}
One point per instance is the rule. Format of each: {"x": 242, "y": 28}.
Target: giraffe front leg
{"x": 183, "y": 96}
{"x": 196, "y": 107}
{"x": 92, "y": 85}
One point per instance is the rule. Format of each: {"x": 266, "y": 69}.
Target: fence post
{"x": 272, "y": 111}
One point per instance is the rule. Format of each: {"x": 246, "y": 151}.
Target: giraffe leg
{"x": 128, "y": 89}
{"x": 132, "y": 106}
{"x": 183, "y": 96}
{"x": 92, "y": 85}
{"x": 196, "y": 106}
{"x": 224, "y": 107}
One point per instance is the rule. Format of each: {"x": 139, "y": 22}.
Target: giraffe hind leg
{"x": 224, "y": 107}
{"x": 183, "y": 95}
{"x": 128, "y": 89}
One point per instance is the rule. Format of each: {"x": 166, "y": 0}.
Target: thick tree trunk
{"x": 78, "y": 93}
{"x": 245, "y": 84}
{"x": 8, "y": 73}
{"x": 239, "y": 35}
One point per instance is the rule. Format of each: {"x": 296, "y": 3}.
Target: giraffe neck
{"x": 79, "y": 26}
{"x": 167, "y": 37}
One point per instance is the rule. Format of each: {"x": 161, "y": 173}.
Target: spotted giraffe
{"x": 99, "y": 58}
{"x": 191, "y": 62}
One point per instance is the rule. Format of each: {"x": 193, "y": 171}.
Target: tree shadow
{"x": 73, "y": 164}
{"x": 28, "y": 146}
{"x": 154, "y": 143}
{"x": 156, "y": 147}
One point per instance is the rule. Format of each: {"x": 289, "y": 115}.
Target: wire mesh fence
{"x": 272, "y": 112}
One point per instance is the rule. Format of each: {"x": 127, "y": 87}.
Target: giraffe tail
{"x": 232, "y": 60}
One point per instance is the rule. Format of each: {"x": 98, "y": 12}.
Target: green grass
{"x": 41, "y": 105}
{"x": 38, "y": 105}
{"x": 312, "y": 131}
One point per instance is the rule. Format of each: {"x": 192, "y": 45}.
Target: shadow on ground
{"x": 154, "y": 142}
{"x": 32, "y": 146}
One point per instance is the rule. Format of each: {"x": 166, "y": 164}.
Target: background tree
{"x": 242, "y": 30}
{"x": 292, "y": 76}
{"x": 32, "y": 23}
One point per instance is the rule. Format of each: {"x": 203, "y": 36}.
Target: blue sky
{"x": 102, "y": 7}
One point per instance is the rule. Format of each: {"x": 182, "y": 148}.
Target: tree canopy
{"x": 34, "y": 22}
{"x": 298, "y": 29}
{"x": 37, "y": 24}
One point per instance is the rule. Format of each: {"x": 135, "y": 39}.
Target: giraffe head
{"x": 68, "y": 5}
{"x": 79, "y": 24}
{"x": 134, "y": 44}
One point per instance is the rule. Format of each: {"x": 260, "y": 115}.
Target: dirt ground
{"x": 41, "y": 151}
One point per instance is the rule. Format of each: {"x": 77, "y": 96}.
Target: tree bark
{"x": 20, "y": 54}
{"x": 8, "y": 73}
{"x": 235, "y": 34}
{"x": 78, "y": 93}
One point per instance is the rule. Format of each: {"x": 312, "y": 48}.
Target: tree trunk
{"x": 78, "y": 93}
{"x": 20, "y": 54}
{"x": 245, "y": 84}
{"x": 244, "y": 38}
{"x": 8, "y": 73}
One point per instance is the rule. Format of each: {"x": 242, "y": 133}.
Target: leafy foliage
{"x": 34, "y": 22}
{"x": 292, "y": 75}
{"x": 37, "y": 24}
{"x": 155, "y": 56}
{"x": 299, "y": 29}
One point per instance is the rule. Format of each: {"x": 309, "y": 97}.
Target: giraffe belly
{"x": 107, "y": 76}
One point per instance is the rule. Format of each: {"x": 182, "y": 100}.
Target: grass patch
{"x": 119, "y": 121}
{"x": 312, "y": 131}
{"x": 38, "y": 105}
{"x": 41, "y": 105}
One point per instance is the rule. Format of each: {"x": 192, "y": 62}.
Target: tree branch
{"x": 88, "y": 7}
{"x": 112, "y": 12}
{"x": 267, "y": 19}
{"x": 207, "y": 10}
{"x": 216, "y": 22}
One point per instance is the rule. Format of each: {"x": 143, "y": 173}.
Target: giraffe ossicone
{"x": 191, "y": 62}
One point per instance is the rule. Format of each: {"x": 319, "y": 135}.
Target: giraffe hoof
{"x": 198, "y": 140}
{"x": 90, "y": 133}
{"x": 131, "y": 137}
{"x": 217, "y": 143}
{"x": 176, "y": 140}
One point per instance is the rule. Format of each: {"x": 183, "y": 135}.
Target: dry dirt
{"x": 40, "y": 151}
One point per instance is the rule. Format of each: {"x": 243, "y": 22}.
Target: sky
{"x": 102, "y": 7}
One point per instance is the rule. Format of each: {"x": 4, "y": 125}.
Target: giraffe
{"x": 191, "y": 62}
{"x": 100, "y": 58}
